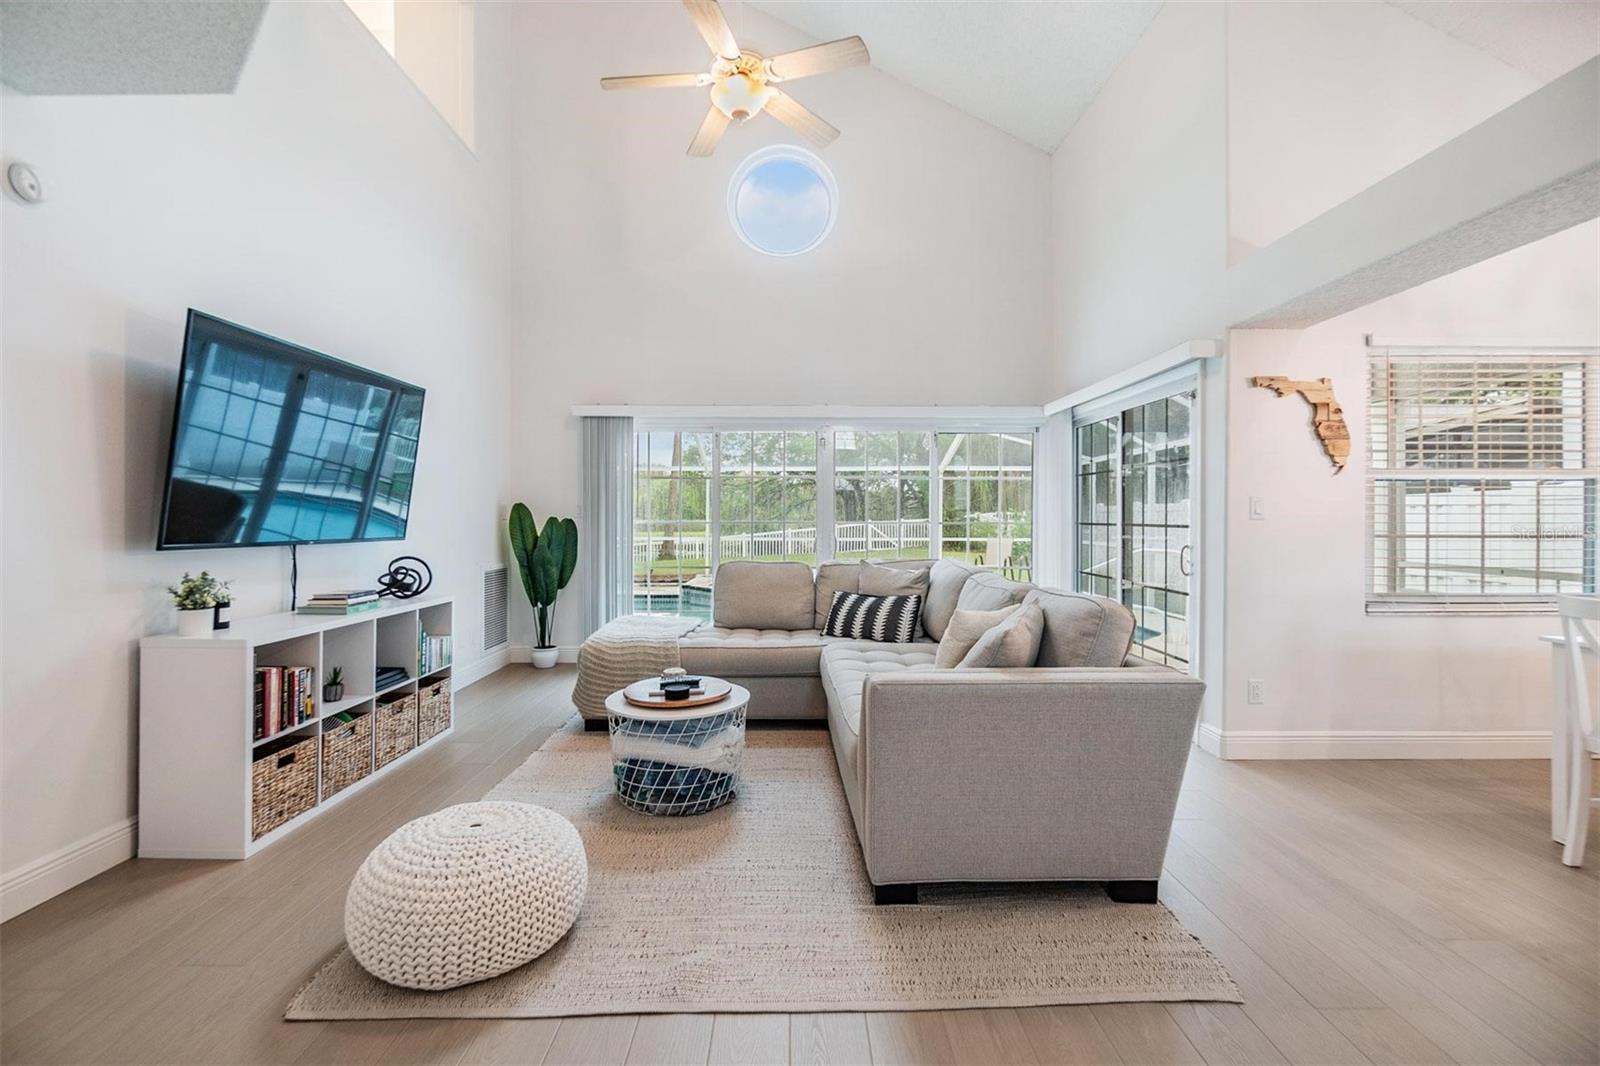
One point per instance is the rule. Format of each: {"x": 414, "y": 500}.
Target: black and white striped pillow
{"x": 886, "y": 619}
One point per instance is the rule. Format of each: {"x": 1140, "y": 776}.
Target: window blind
{"x": 1483, "y": 473}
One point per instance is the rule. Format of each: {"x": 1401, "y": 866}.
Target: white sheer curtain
{"x": 607, "y": 526}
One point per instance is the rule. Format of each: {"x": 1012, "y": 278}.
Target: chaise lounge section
{"x": 1066, "y": 770}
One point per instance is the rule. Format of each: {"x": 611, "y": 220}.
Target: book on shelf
{"x": 433, "y": 652}
{"x": 331, "y": 608}
{"x": 285, "y": 697}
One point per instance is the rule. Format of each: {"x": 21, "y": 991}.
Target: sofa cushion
{"x": 724, "y": 652}
{"x": 966, "y": 628}
{"x": 891, "y": 619}
{"x": 747, "y": 595}
{"x": 893, "y": 581}
{"x": 831, "y": 578}
{"x": 1014, "y": 642}
{"x": 847, "y": 665}
{"x": 1082, "y": 630}
{"x": 945, "y": 581}
{"x": 985, "y": 591}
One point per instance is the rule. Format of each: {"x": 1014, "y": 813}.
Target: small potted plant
{"x": 546, "y": 560}
{"x": 333, "y": 690}
{"x": 196, "y": 599}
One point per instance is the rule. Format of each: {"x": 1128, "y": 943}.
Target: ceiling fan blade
{"x": 820, "y": 58}
{"x": 709, "y": 20}
{"x": 710, "y": 132}
{"x": 652, "y": 81}
{"x": 789, "y": 111}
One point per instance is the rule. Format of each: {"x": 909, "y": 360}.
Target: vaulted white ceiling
{"x": 1032, "y": 68}
{"x": 1544, "y": 38}
{"x": 1029, "y": 68}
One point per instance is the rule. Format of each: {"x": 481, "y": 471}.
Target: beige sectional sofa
{"x": 1067, "y": 770}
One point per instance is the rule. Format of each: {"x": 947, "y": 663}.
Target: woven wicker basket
{"x": 346, "y": 755}
{"x": 433, "y": 715}
{"x": 283, "y": 784}
{"x": 396, "y": 729}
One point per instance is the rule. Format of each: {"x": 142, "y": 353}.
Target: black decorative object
{"x": 678, "y": 688}
{"x": 403, "y": 581}
{"x": 221, "y": 615}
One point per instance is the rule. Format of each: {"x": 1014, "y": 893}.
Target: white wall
{"x": 632, "y": 286}
{"x": 1325, "y": 99}
{"x": 1139, "y": 193}
{"x": 1227, "y": 127}
{"x": 326, "y": 202}
{"x": 1296, "y": 580}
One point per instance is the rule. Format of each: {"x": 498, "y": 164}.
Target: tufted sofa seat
{"x": 846, "y": 666}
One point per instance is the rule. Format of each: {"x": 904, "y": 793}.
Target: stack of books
{"x": 285, "y": 697}
{"x": 433, "y": 651}
{"x": 345, "y": 601}
{"x": 390, "y": 675}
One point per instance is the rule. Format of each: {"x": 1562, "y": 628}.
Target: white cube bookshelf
{"x": 197, "y": 742}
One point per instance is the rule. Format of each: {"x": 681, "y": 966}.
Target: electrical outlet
{"x": 1252, "y": 691}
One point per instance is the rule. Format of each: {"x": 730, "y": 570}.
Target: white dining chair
{"x": 1577, "y": 717}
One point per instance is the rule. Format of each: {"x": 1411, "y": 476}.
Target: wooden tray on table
{"x": 647, "y": 693}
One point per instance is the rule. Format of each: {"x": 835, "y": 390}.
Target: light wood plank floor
{"x": 1370, "y": 911}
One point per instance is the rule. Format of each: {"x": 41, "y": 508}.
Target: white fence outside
{"x": 848, "y": 537}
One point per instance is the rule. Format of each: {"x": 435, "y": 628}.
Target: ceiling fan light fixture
{"x": 739, "y": 96}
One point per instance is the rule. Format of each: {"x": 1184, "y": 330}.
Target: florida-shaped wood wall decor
{"x": 1327, "y": 417}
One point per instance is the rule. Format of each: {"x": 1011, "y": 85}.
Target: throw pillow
{"x": 831, "y": 578}
{"x": 889, "y": 581}
{"x": 1014, "y": 642}
{"x": 886, "y": 619}
{"x": 964, "y": 630}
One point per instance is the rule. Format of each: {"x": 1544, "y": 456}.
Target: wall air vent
{"x": 494, "y": 608}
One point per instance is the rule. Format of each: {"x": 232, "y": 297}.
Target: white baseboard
{"x": 1374, "y": 744}
{"x": 50, "y": 875}
{"x": 568, "y": 653}
{"x": 488, "y": 664}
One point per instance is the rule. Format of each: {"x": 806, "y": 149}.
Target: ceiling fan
{"x": 744, "y": 83}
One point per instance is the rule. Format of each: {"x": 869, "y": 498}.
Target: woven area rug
{"x": 764, "y": 905}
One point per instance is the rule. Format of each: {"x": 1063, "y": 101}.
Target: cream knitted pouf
{"x": 464, "y": 894}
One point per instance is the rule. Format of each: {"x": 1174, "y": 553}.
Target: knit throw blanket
{"x": 623, "y": 651}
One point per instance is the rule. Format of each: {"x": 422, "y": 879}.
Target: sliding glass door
{"x": 1134, "y": 519}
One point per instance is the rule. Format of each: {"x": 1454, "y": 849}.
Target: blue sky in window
{"x": 782, "y": 206}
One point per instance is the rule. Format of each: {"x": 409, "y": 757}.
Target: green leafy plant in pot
{"x": 546, "y": 559}
{"x": 196, "y": 599}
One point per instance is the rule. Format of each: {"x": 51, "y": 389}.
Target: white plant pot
{"x": 196, "y": 623}
{"x": 544, "y": 658}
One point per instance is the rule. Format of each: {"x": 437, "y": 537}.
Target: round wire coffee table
{"x": 676, "y": 762}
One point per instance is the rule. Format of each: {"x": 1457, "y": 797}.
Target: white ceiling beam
{"x": 1523, "y": 174}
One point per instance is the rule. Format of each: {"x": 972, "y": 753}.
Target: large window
{"x": 768, "y": 496}
{"x": 1483, "y": 478}
{"x": 671, "y": 522}
{"x": 816, "y": 493}
{"x": 986, "y": 500}
{"x": 880, "y": 494}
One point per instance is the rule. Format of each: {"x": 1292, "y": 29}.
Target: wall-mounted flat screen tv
{"x": 276, "y": 444}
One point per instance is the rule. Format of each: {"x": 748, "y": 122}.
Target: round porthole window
{"x": 782, "y": 200}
